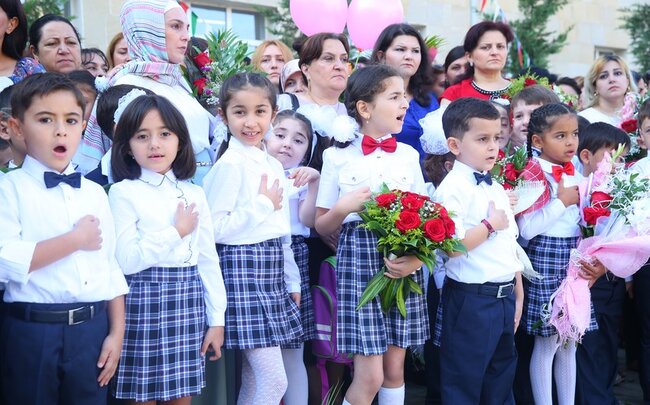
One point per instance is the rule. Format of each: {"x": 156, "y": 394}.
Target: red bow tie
{"x": 559, "y": 170}
{"x": 368, "y": 145}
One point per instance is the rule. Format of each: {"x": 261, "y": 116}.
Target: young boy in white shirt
{"x": 482, "y": 296}
{"x": 63, "y": 332}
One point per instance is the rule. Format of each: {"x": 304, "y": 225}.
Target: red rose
{"x": 629, "y": 126}
{"x": 200, "y": 85}
{"x": 501, "y": 155}
{"x": 508, "y": 186}
{"x": 450, "y": 226}
{"x": 434, "y": 229}
{"x": 530, "y": 82}
{"x": 407, "y": 220}
{"x": 511, "y": 172}
{"x": 592, "y": 214}
{"x": 412, "y": 202}
{"x": 385, "y": 200}
{"x": 600, "y": 199}
{"x": 442, "y": 211}
{"x": 202, "y": 59}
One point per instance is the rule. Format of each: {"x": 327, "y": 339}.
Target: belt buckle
{"x": 501, "y": 293}
{"x": 71, "y": 313}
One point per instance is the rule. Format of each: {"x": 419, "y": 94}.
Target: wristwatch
{"x": 491, "y": 231}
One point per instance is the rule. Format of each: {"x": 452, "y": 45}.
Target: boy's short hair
{"x": 40, "y": 85}
{"x": 455, "y": 119}
{"x": 535, "y": 94}
{"x": 5, "y": 101}
{"x": 84, "y": 77}
{"x": 600, "y": 135}
{"x": 644, "y": 112}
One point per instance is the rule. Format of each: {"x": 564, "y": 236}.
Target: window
{"x": 248, "y": 25}
{"x": 601, "y": 50}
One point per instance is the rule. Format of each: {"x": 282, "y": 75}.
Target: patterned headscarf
{"x": 143, "y": 26}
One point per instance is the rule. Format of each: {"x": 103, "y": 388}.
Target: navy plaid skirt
{"x": 369, "y": 331}
{"x": 165, "y": 325}
{"x": 550, "y": 258}
{"x": 260, "y": 312}
{"x": 301, "y": 255}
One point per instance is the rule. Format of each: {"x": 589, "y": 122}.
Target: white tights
{"x": 263, "y": 379}
{"x": 297, "y": 391}
{"x": 541, "y": 370}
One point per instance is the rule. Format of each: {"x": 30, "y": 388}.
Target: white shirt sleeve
{"x": 328, "y": 188}
{"x": 291, "y": 271}
{"x": 541, "y": 220}
{"x": 136, "y": 251}
{"x": 209, "y": 269}
{"x": 222, "y": 188}
{"x": 15, "y": 254}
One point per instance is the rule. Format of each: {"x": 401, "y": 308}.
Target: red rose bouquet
{"x": 629, "y": 123}
{"x": 513, "y": 172}
{"x": 405, "y": 224}
{"x": 224, "y": 57}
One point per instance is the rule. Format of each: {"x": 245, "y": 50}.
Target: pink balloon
{"x": 314, "y": 16}
{"x": 368, "y": 18}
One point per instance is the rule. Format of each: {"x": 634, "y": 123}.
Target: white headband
{"x": 172, "y": 4}
{"x": 124, "y": 101}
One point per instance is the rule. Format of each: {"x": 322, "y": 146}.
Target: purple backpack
{"x": 324, "y": 301}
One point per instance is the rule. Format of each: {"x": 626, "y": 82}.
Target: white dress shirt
{"x": 554, "y": 219}
{"x": 642, "y": 167}
{"x": 32, "y": 213}
{"x": 494, "y": 260}
{"x": 240, "y": 214}
{"x": 296, "y": 196}
{"x": 348, "y": 169}
{"x": 144, "y": 211}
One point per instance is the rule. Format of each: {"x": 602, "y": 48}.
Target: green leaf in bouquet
{"x": 414, "y": 286}
{"x": 399, "y": 297}
{"x": 384, "y": 188}
{"x": 376, "y": 284}
{"x": 388, "y": 295}
{"x": 412, "y": 243}
{"x": 376, "y": 227}
{"x": 458, "y": 246}
{"x": 364, "y": 215}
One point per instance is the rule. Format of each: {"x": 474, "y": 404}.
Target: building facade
{"x": 595, "y": 24}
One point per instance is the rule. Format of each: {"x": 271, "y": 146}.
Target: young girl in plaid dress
{"x": 357, "y": 166}
{"x": 299, "y": 149}
{"x": 165, "y": 246}
{"x": 250, "y": 214}
{"x": 553, "y": 231}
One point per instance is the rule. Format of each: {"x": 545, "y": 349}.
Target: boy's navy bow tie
{"x": 53, "y": 179}
{"x": 487, "y": 178}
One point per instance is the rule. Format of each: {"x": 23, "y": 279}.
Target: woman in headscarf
{"x": 157, "y": 35}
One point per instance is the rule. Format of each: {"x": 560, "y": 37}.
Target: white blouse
{"x": 144, "y": 211}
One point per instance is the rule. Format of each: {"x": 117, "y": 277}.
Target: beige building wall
{"x": 595, "y": 24}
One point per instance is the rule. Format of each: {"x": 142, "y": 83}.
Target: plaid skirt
{"x": 369, "y": 331}
{"x": 301, "y": 255}
{"x": 260, "y": 312}
{"x": 165, "y": 326}
{"x": 550, "y": 258}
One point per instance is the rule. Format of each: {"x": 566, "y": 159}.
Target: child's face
{"x": 505, "y": 128}
{"x": 89, "y": 97}
{"x": 520, "y": 117}
{"x": 479, "y": 146}
{"x": 385, "y": 114}
{"x": 51, "y": 129}
{"x": 154, "y": 146}
{"x": 288, "y": 142}
{"x": 96, "y": 66}
{"x": 644, "y": 131}
{"x": 560, "y": 142}
{"x": 295, "y": 84}
{"x": 18, "y": 148}
{"x": 590, "y": 160}
{"x": 249, "y": 115}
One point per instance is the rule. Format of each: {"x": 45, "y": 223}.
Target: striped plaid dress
{"x": 260, "y": 312}
{"x": 165, "y": 325}
{"x": 550, "y": 258}
{"x": 369, "y": 331}
{"x": 301, "y": 255}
